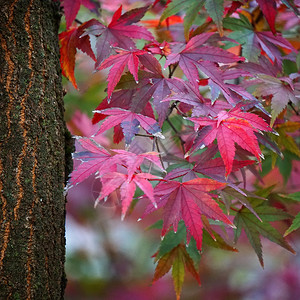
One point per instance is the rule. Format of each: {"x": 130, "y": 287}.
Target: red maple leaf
{"x": 229, "y": 128}
{"x": 119, "y": 32}
{"x": 131, "y": 58}
{"x": 269, "y": 9}
{"x": 215, "y": 168}
{"x": 158, "y": 48}
{"x": 155, "y": 84}
{"x": 123, "y": 99}
{"x": 71, "y": 8}
{"x": 94, "y": 159}
{"x": 188, "y": 201}
{"x": 197, "y": 55}
{"x": 133, "y": 161}
{"x": 70, "y": 41}
{"x": 127, "y": 185}
{"x": 201, "y": 105}
{"x": 130, "y": 123}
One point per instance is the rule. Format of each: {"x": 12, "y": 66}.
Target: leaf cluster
{"x": 199, "y": 94}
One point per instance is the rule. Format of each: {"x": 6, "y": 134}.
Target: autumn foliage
{"x": 214, "y": 87}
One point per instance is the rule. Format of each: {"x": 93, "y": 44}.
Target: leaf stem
{"x": 159, "y": 154}
{"x": 182, "y": 142}
{"x": 179, "y": 110}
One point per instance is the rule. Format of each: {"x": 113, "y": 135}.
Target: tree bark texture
{"x": 32, "y": 152}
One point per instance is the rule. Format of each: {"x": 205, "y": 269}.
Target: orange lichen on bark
{"x": 5, "y": 223}
{"x": 22, "y": 113}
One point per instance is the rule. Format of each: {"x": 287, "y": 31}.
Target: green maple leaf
{"x": 191, "y": 8}
{"x": 296, "y": 222}
{"x": 218, "y": 242}
{"x": 215, "y": 9}
{"x": 178, "y": 273}
{"x": 172, "y": 240}
{"x": 243, "y": 33}
{"x": 254, "y": 228}
{"x": 295, "y": 225}
{"x": 178, "y": 259}
{"x": 282, "y": 90}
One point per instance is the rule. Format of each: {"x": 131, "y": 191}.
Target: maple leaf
{"x": 93, "y": 160}
{"x": 161, "y": 87}
{"x": 254, "y": 228}
{"x": 119, "y": 32}
{"x": 133, "y": 161}
{"x": 296, "y": 222}
{"x": 179, "y": 259}
{"x": 191, "y": 7}
{"x": 215, "y": 9}
{"x": 201, "y": 105}
{"x": 71, "y": 8}
{"x": 209, "y": 166}
{"x": 217, "y": 242}
{"x": 269, "y": 9}
{"x": 229, "y": 128}
{"x": 158, "y": 48}
{"x": 123, "y": 58}
{"x": 152, "y": 84}
{"x": 233, "y": 93}
{"x": 188, "y": 201}
{"x": 286, "y": 140}
{"x": 282, "y": 90}
{"x": 131, "y": 99}
{"x": 295, "y": 225}
{"x": 196, "y": 55}
{"x": 130, "y": 123}
{"x": 121, "y": 99}
{"x": 96, "y": 160}
{"x": 254, "y": 42}
{"x": 215, "y": 168}
{"x": 70, "y": 41}
{"x": 127, "y": 185}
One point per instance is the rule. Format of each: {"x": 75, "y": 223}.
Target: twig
{"x": 164, "y": 149}
{"x": 171, "y": 72}
{"x": 143, "y": 135}
{"x": 293, "y": 108}
{"x": 78, "y": 22}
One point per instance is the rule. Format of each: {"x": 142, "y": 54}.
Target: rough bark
{"x": 32, "y": 152}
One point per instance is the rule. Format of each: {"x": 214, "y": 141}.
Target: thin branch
{"x": 179, "y": 110}
{"x": 144, "y": 135}
{"x": 158, "y": 150}
{"x": 293, "y": 108}
{"x": 171, "y": 71}
{"x": 78, "y": 22}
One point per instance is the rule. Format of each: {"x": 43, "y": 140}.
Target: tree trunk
{"x": 32, "y": 152}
